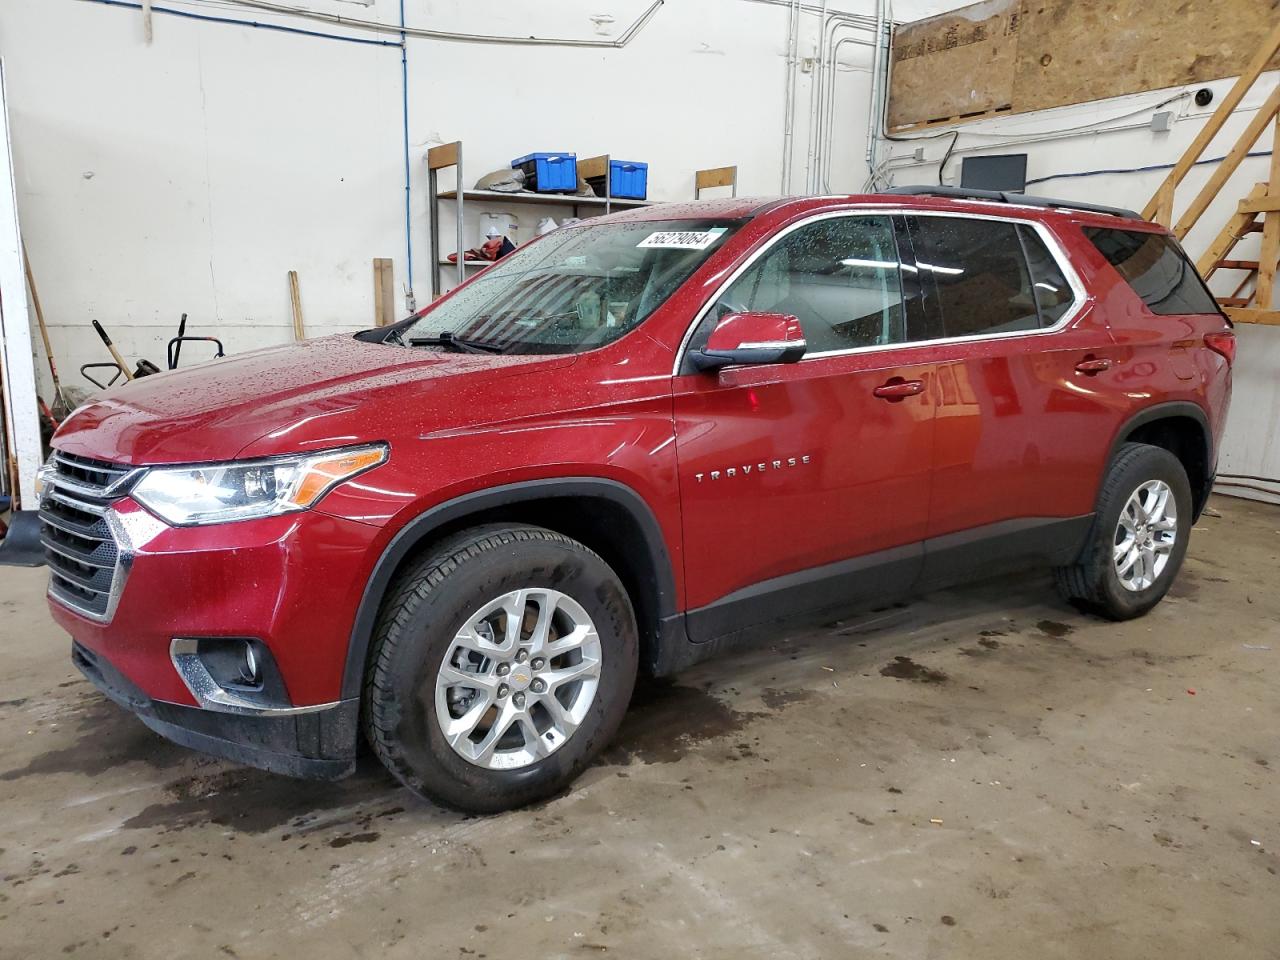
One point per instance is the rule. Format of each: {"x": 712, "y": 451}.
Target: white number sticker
{"x": 682, "y": 239}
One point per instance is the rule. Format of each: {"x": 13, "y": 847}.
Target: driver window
{"x": 839, "y": 276}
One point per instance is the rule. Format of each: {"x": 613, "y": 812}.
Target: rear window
{"x": 1156, "y": 268}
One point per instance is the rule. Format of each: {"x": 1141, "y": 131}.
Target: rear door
{"x": 1023, "y": 419}
{"x": 800, "y": 487}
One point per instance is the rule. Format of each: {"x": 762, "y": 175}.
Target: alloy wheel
{"x": 1145, "y": 535}
{"x": 518, "y": 678}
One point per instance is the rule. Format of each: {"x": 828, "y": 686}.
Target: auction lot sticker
{"x": 682, "y": 239}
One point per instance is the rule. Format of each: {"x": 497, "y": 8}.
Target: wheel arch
{"x": 1182, "y": 428}
{"x": 607, "y": 516}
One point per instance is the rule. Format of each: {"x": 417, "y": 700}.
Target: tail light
{"x": 1223, "y": 343}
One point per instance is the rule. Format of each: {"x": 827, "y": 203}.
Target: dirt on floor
{"x": 984, "y": 773}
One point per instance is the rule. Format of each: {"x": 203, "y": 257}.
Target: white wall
{"x": 1118, "y": 135}
{"x": 191, "y": 174}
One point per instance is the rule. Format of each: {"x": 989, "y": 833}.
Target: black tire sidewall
{"x": 1140, "y": 465}
{"x": 428, "y": 763}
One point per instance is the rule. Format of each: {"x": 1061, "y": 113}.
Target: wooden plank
{"x": 1237, "y": 227}
{"x": 384, "y": 299}
{"x": 1261, "y": 204}
{"x": 1052, "y": 53}
{"x": 1222, "y": 171}
{"x": 978, "y": 43}
{"x": 295, "y": 299}
{"x": 1269, "y": 318}
{"x": 445, "y": 155}
{"x": 1238, "y": 265}
{"x": 715, "y": 177}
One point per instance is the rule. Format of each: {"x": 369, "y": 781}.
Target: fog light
{"x": 250, "y": 674}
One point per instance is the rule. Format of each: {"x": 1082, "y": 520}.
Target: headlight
{"x": 244, "y": 490}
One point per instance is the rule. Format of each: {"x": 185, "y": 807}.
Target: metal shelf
{"x": 547, "y": 199}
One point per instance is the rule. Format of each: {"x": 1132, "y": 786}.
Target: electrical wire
{"x": 1147, "y": 169}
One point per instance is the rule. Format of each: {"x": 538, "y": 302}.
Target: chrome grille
{"x": 80, "y": 538}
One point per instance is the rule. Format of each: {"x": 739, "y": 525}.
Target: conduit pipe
{"x": 356, "y": 23}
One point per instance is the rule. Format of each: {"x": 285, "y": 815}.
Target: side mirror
{"x": 751, "y": 338}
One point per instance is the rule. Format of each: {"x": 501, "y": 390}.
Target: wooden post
{"x": 1164, "y": 204}
{"x": 1270, "y": 254}
{"x": 295, "y": 297}
{"x": 384, "y": 305}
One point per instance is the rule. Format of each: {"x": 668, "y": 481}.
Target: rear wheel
{"x": 1139, "y": 536}
{"x": 501, "y": 664}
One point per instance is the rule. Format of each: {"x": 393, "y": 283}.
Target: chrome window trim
{"x": 1055, "y": 248}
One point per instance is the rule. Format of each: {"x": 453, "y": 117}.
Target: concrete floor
{"x": 986, "y": 773}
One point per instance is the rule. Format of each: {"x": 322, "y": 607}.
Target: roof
{"x": 1004, "y": 205}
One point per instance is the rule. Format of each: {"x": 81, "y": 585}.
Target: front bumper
{"x": 320, "y": 744}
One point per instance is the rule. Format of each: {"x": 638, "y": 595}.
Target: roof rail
{"x": 1000, "y": 196}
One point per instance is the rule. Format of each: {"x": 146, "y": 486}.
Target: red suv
{"x": 632, "y": 443}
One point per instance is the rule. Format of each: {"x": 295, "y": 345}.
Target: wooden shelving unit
{"x": 450, "y": 155}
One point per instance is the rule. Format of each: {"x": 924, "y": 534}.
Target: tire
{"x": 1094, "y": 581}
{"x": 544, "y": 576}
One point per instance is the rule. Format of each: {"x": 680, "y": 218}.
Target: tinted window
{"x": 839, "y": 276}
{"x": 1052, "y": 292}
{"x": 979, "y": 272}
{"x": 1156, "y": 268}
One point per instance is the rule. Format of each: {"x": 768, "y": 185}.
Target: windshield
{"x": 573, "y": 290}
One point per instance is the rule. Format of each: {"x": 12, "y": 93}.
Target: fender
{"x": 1162, "y": 411}
{"x": 419, "y": 529}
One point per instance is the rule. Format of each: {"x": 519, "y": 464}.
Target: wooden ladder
{"x": 1253, "y": 299}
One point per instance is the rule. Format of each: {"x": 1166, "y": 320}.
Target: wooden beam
{"x": 295, "y": 299}
{"x": 1270, "y": 318}
{"x": 1266, "y": 113}
{"x": 1229, "y": 103}
{"x": 1261, "y": 205}
{"x": 1236, "y": 227}
{"x": 1270, "y": 252}
{"x": 593, "y": 167}
{"x": 445, "y": 155}
{"x": 384, "y": 298}
{"x": 1238, "y": 265}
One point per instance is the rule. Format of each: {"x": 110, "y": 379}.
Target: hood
{"x": 326, "y": 392}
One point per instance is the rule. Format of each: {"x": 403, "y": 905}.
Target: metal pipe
{"x": 815, "y": 85}
{"x": 356, "y": 23}
{"x": 876, "y": 87}
{"x": 789, "y": 107}
{"x": 824, "y": 88}
{"x": 824, "y": 160}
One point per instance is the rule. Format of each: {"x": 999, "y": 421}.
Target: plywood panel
{"x": 974, "y": 48}
{"x": 1024, "y": 55}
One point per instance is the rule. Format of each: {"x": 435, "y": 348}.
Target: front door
{"x": 805, "y": 486}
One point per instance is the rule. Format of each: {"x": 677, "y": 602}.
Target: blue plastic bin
{"x": 549, "y": 172}
{"x": 628, "y": 179}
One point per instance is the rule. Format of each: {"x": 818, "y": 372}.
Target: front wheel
{"x": 502, "y": 663}
{"x": 1139, "y": 535}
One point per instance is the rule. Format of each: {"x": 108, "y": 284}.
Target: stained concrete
{"x": 984, "y": 773}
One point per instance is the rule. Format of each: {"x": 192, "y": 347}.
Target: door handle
{"x": 898, "y": 389}
{"x": 1093, "y": 366}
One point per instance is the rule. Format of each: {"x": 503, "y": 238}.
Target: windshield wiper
{"x": 461, "y": 344}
